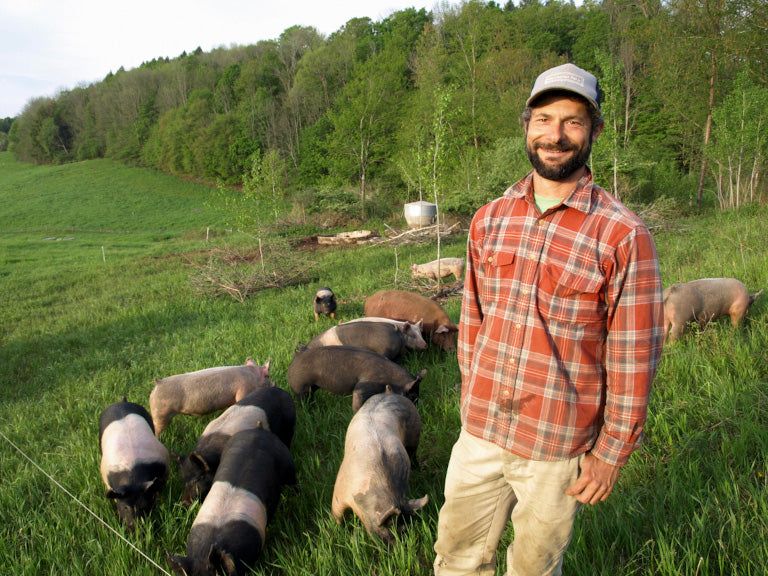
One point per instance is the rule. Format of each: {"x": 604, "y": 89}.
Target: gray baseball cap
{"x": 567, "y": 77}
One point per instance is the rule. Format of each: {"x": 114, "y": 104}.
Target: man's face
{"x": 559, "y": 137}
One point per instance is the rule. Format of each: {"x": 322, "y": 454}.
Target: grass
{"x": 80, "y": 326}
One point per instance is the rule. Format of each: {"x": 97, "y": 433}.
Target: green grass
{"x": 81, "y": 326}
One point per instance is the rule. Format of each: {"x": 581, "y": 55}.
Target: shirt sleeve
{"x": 471, "y": 310}
{"x": 633, "y": 346}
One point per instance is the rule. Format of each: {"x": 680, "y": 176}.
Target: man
{"x": 559, "y": 340}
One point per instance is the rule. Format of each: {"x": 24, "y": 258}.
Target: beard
{"x": 559, "y": 171}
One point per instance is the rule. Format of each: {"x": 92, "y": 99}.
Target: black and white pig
{"x": 324, "y": 303}
{"x": 385, "y": 339}
{"x": 373, "y": 476}
{"x": 349, "y": 370}
{"x": 134, "y": 464}
{"x": 268, "y": 408}
{"x": 229, "y": 531}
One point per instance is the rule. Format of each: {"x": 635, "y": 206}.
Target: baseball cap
{"x": 567, "y": 77}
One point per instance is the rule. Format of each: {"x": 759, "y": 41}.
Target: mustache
{"x": 556, "y": 147}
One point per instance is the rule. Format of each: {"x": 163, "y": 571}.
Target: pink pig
{"x": 204, "y": 391}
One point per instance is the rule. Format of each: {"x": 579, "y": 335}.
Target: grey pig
{"x": 349, "y": 370}
{"x": 702, "y": 301}
{"x": 134, "y": 464}
{"x": 385, "y": 339}
{"x": 268, "y": 408}
{"x": 373, "y": 476}
{"x": 204, "y": 391}
{"x": 412, "y": 330}
{"x": 324, "y": 303}
{"x": 229, "y": 530}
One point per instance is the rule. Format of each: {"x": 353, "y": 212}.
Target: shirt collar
{"x": 580, "y": 198}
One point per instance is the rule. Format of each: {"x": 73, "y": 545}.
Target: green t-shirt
{"x": 545, "y": 204}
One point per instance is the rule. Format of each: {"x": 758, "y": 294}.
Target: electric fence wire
{"x": 91, "y": 512}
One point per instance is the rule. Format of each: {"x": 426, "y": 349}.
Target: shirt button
{"x": 526, "y": 291}
{"x": 512, "y": 361}
{"x": 505, "y": 394}
{"x": 518, "y": 326}
{"x": 490, "y": 259}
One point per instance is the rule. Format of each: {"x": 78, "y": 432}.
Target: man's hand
{"x": 595, "y": 482}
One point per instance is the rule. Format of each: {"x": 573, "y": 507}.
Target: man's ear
{"x": 596, "y": 131}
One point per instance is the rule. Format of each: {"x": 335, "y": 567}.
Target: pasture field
{"x": 97, "y": 301}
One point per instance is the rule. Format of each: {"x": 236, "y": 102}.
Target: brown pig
{"x": 446, "y": 266}
{"x": 373, "y": 476}
{"x": 702, "y": 301}
{"x": 412, "y": 307}
{"x": 204, "y": 391}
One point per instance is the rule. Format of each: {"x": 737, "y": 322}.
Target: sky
{"x": 47, "y": 46}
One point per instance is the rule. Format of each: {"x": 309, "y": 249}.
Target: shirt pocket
{"x": 572, "y": 298}
{"x": 498, "y": 276}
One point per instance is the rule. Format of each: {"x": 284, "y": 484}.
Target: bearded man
{"x": 560, "y": 336}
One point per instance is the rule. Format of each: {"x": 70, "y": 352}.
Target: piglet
{"x": 373, "y": 476}
{"x": 204, "y": 391}
{"x": 268, "y": 408}
{"x": 442, "y": 268}
{"x": 324, "y": 303}
{"x": 412, "y": 330}
{"x": 385, "y": 339}
{"x": 349, "y": 370}
{"x": 702, "y": 301}
{"x": 134, "y": 464}
{"x": 229, "y": 531}
{"x": 412, "y": 307}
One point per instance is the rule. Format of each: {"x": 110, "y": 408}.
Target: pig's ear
{"x": 414, "y": 267}
{"x": 387, "y": 516}
{"x": 420, "y": 324}
{"x": 421, "y": 375}
{"x": 418, "y": 504}
{"x": 266, "y": 366}
{"x": 179, "y": 564}
{"x": 115, "y": 493}
{"x": 222, "y": 559}
{"x": 199, "y": 461}
{"x": 179, "y": 458}
{"x": 442, "y": 329}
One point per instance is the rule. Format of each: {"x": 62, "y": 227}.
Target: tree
{"x": 364, "y": 116}
{"x": 739, "y": 142}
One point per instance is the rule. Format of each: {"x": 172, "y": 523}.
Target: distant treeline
{"x": 429, "y": 102}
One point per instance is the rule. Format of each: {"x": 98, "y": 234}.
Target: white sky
{"x": 47, "y": 46}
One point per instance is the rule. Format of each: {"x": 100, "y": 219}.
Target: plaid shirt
{"x": 561, "y": 325}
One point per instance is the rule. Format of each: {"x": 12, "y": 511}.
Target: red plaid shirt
{"x": 561, "y": 325}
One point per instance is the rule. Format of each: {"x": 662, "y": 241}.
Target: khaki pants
{"x": 485, "y": 486}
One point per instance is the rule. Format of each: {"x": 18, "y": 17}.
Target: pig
{"x": 374, "y": 473}
{"x": 447, "y": 266}
{"x": 349, "y": 370}
{"x": 134, "y": 464}
{"x": 412, "y": 330}
{"x": 324, "y": 302}
{"x": 702, "y": 301}
{"x": 268, "y": 408}
{"x": 229, "y": 530}
{"x": 412, "y": 307}
{"x": 204, "y": 391}
{"x": 386, "y": 339}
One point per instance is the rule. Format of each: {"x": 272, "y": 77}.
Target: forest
{"x": 428, "y": 104}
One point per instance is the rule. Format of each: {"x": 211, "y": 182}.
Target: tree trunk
{"x": 707, "y": 132}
